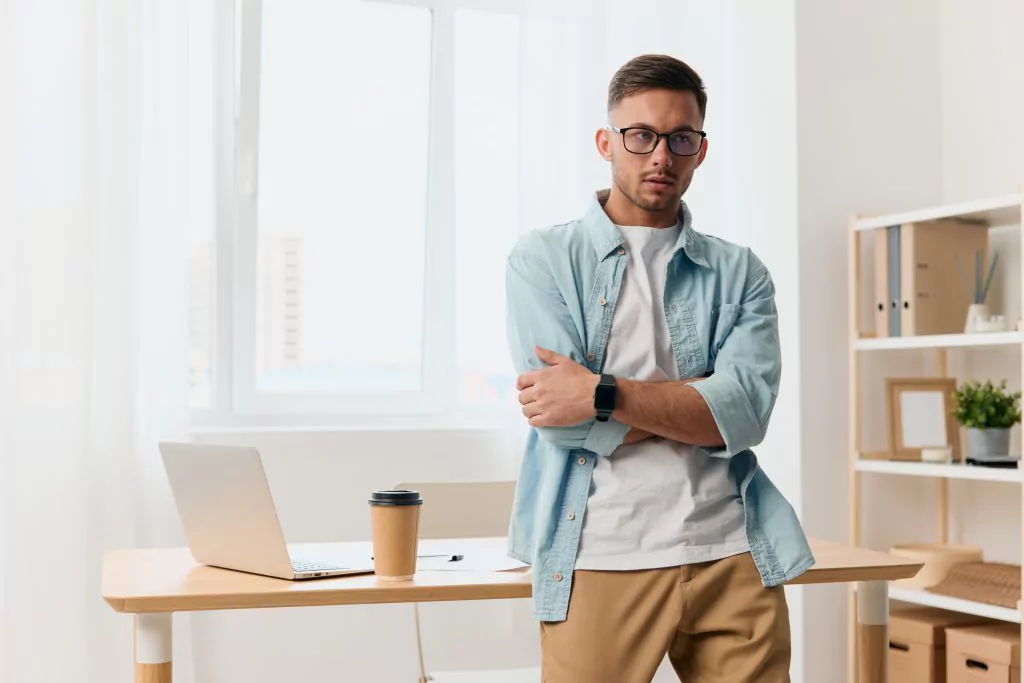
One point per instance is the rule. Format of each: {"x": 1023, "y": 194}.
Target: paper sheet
{"x": 470, "y": 562}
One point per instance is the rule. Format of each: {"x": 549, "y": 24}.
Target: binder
{"x": 881, "y": 307}
{"x": 887, "y": 282}
{"x": 893, "y": 233}
{"x": 918, "y": 289}
{"x": 934, "y": 297}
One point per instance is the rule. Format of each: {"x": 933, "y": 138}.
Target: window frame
{"x": 234, "y": 399}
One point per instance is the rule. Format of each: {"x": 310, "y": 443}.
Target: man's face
{"x": 654, "y": 181}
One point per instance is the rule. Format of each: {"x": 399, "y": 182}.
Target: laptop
{"x": 229, "y": 517}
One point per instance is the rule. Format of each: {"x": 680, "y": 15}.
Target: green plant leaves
{"x": 984, "y": 405}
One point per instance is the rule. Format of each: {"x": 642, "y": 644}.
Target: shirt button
{"x": 582, "y": 460}
{"x": 557, "y": 576}
{"x": 571, "y": 516}
{"x": 602, "y": 301}
{"x": 590, "y": 356}
{"x": 672, "y": 309}
{"x": 621, "y": 251}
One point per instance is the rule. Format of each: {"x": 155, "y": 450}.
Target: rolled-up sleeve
{"x": 537, "y": 315}
{"x": 742, "y": 390}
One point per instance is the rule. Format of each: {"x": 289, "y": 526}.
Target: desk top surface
{"x": 169, "y": 580}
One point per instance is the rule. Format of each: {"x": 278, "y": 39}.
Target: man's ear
{"x": 603, "y": 141}
{"x": 703, "y": 152}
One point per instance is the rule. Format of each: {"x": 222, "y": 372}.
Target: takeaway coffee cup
{"x": 395, "y": 522}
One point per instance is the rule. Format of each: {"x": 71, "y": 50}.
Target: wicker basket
{"x": 993, "y": 583}
{"x": 938, "y": 558}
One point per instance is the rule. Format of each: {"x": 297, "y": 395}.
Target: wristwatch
{"x": 604, "y": 397}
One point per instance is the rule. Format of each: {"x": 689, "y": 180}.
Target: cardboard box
{"x": 983, "y": 654}
{"x": 917, "y": 643}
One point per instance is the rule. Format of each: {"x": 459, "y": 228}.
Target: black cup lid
{"x": 395, "y": 498}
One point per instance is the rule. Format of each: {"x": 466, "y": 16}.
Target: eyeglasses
{"x": 684, "y": 143}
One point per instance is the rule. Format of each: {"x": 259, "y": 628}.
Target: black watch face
{"x": 604, "y": 397}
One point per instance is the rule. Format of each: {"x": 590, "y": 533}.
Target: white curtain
{"x": 94, "y": 200}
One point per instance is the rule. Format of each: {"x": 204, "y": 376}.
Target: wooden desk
{"x": 153, "y": 584}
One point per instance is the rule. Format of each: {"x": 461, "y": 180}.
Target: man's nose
{"x": 661, "y": 155}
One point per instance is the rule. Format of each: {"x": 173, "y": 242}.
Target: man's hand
{"x": 561, "y": 395}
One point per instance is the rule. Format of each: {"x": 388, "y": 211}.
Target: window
{"x": 374, "y": 186}
{"x": 344, "y": 113}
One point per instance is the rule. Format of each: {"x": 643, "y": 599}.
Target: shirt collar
{"x": 607, "y": 237}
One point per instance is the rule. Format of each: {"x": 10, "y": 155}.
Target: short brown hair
{"x": 648, "y": 72}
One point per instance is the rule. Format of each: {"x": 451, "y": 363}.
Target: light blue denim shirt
{"x": 562, "y": 286}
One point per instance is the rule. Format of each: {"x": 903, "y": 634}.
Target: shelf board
{"x": 980, "y": 609}
{"x": 995, "y": 211}
{"x": 940, "y": 341}
{"x": 940, "y": 471}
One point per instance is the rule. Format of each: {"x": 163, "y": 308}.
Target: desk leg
{"x": 873, "y": 631}
{"x": 153, "y": 648}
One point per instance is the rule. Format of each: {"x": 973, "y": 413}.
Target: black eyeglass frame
{"x": 658, "y": 136}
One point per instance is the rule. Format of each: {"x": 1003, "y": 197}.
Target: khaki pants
{"x": 715, "y": 620}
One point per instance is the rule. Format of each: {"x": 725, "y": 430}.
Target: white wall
{"x": 982, "y": 67}
{"x": 869, "y": 129}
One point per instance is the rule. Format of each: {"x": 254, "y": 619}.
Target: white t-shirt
{"x": 656, "y": 503}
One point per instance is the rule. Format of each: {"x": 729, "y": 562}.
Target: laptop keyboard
{"x": 307, "y": 566}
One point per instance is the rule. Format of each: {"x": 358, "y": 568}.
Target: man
{"x": 649, "y": 362}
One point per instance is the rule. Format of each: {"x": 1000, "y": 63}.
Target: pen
{"x": 451, "y": 558}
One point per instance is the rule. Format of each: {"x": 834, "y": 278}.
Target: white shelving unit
{"x": 980, "y": 609}
{"x": 940, "y": 341}
{"x": 938, "y": 471}
{"x": 1003, "y": 211}
{"x": 995, "y": 211}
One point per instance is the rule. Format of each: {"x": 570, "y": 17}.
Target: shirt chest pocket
{"x": 723, "y": 320}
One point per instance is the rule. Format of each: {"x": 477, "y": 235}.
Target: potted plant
{"x": 988, "y": 412}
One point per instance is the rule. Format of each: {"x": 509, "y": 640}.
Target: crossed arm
{"x": 562, "y": 394}
{"x": 725, "y": 413}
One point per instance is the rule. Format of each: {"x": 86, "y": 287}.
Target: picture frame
{"x": 920, "y": 415}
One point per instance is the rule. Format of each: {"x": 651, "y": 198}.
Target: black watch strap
{"x": 604, "y": 397}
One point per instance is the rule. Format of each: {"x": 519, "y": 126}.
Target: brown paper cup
{"x": 395, "y": 522}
